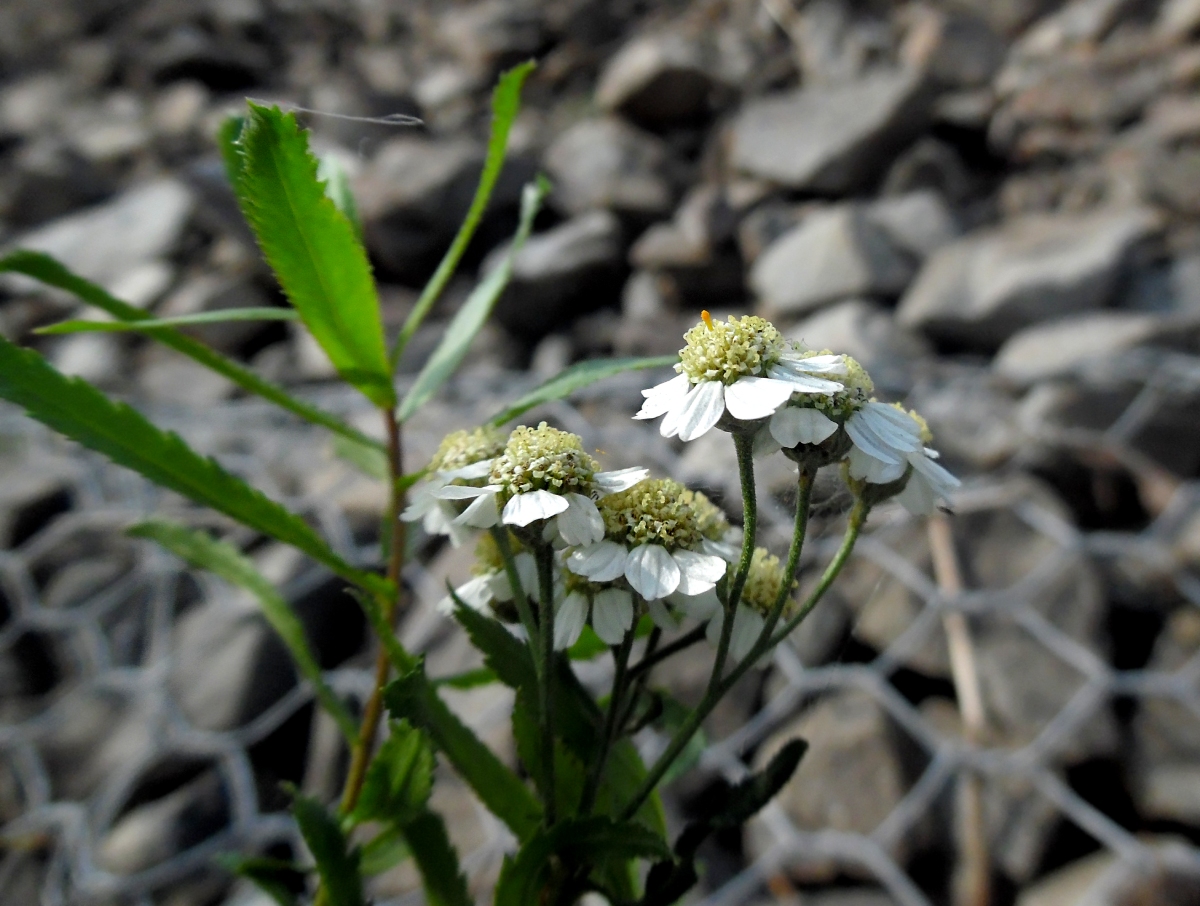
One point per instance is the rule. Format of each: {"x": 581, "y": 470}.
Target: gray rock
{"x": 918, "y": 223}
{"x": 974, "y": 420}
{"x": 605, "y": 163}
{"x": 985, "y": 287}
{"x": 91, "y": 356}
{"x": 830, "y": 138}
{"x": 868, "y": 332}
{"x": 491, "y": 33}
{"x": 657, "y": 80}
{"x": 832, "y": 254}
{"x": 567, "y": 271}
{"x": 211, "y": 292}
{"x": 105, "y": 243}
{"x": 1056, "y": 348}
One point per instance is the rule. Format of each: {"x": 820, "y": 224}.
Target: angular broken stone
{"x": 1055, "y": 348}
{"x": 657, "y": 80}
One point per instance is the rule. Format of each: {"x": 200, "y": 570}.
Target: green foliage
{"x": 399, "y": 779}
{"x": 385, "y": 852}
{"x": 576, "y": 377}
{"x": 412, "y": 697}
{"x": 468, "y": 679}
{"x": 337, "y": 863}
{"x": 368, "y": 459}
{"x": 337, "y": 186}
{"x": 282, "y": 881}
{"x": 77, "y": 409}
{"x": 47, "y": 270}
{"x": 437, "y": 861}
{"x": 572, "y": 841}
{"x": 506, "y": 101}
{"x": 313, "y": 249}
{"x": 202, "y": 550}
{"x": 199, "y": 319}
{"x": 468, "y": 320}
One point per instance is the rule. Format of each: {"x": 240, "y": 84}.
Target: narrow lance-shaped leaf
{"x": 337, "y": 864}
{"x": 282, "y": 881}
{"x": 506, "y": 101}
{"x": 200, "y": 319}
{"x": 202, "y": 550}
{"x": 436, "y": 860}
{"x": 399, "y": 779}
{"x": 45, "y": 269}
{"x": 576, "y": 377}
{"x": 460, "y": 334}
{"x": 337, "y": 186}
{"x": 77, "y": 409}
{"x": 313, "y": 249}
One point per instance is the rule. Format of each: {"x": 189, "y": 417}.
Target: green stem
{"x": 545, "y": 563}
{"x": 500, "y": 536}
{"x": 615, "y": 698}
{"x": 804, "y": 485}
{"x": 651, "y": 659}
{"x": 639, "y": 680}
{"x": 745, "y": 456}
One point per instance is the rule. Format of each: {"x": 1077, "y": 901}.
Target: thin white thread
{"x": 391, "y": 119}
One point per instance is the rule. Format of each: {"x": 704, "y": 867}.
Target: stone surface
{"x": 1056, "y": 348}
{"x": 917, "y": 223}
{"x": 833, "y": 138}
{"x": 868, "y": 332}
{"x": 567, "y": 271}
{"x": 985, "y": 287}
{"x": 606, "y": 163}
{"x": 657, "y": 80}
{"x": 832, "y": 254}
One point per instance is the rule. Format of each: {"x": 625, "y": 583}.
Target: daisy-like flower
{"x": 489, "y": 588}
{"x": 660, "y": 539}
{"x": 743, "y": 367}
{"x": 763, "y": 582}
{"x": 463, "y": 458}
{"x": 810, "y": 423}
{"x": 908, "y": 471}
{"x": 543, "y": 474}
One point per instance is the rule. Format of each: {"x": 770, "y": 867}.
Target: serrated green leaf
{"x": 282, "y": 881}
{"x": 201, "y": 549}
{"x": 45, "y": 269}
{"x": 468, "y": 679}
{"x": 208, "y": 317}
{"x": 576, "y": 377}
{"x": 399, "y": 778}
{"x": 470, "y": 318}
{"x": 499, "y": 789}
{"x": 384, "y": 853}
{"x": 337, "y": 186}
{"x": 77, "y": 409}
{"x": 576, "y": 841}
{"x": 337, "y": 864}
{"x": 437, "y": 861}
{"x": 313, "y": 250}
{"x": 506, "y": 101}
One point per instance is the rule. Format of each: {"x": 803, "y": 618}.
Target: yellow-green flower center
{"x": 856, "y": 391}
{"x": 544, "y": 459}
{"x": 659, "y": 511}
{"x": 464, "y": 448}
{"x": 763, "y": 581}
{"x": 926, "y": 434}
{"x": 726, "y": 351}
{"x": 710, "y": 521}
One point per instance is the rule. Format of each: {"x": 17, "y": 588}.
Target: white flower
{"x": 928, "y": 484}
{"x": 744, "y": 367}
{"x": 883, "y": 437}
{"x": 462, "y": 456}
{"x": 650, "y": 569}
{"x": 612, "y": 614}
{"x": 482, "y": 590}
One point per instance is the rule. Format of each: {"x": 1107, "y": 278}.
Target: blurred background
{"x": 992, "y": 204}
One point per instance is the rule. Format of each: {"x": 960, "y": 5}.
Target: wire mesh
{"x": 105, "y": 622}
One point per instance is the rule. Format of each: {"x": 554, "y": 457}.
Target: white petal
{"x": 815, "y": 364}
{"x": 620, "y": 480}
{"x": 662, "y": 616}
{"x": 420, "y": 502}
{"x": 581, "y": 522}
{"x": 463, "y": 492}
{"x": 612, "y": 615}
{"x": 747, "y": 625}
{"x": 749, "y": 398}
{"x": 698, "y": 572}
{"x": 695, "y": 415}
{"x": 601, "y": 562}
{"x": 474, "y": 593}
{"x": 698, "y": 607}
{"x": 861, "y": 430}
{"x": 663, "y": 397}
{"x": 764, "y": 443}
{"x": 792, "y": 427}
{"x": 475, "y": 470}
{"x": 725, "y": 549}
{"x": 483, "y": 512}
{"x": 523, "y": 509}
{"x": 569, "y": 620}
{"x": 652, "y": 571}
{"x": 801, "y": 382}
{"x": 876, "y": 471}
{"x": 939, "y": 478}
{"x": 918, "y": 497}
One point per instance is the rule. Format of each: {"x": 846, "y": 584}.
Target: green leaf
{"x": 228, "y": 140}
{"x": 282, "y": 881}
{"x": 77, "y": 409}
{"x": 673, "y": 716}
{"x": 207, "y": 317}
{"x": 468, "y": 320}
{"x": 576, "y": 841}
{"x": 576, "y": 377}
{"x": 468, "y": 679}
{"x": 506, "y": 101}
{"x": 499, "y": 789}
{"x": 202, "y": 550}
{"x": 384, "y": 853}
{"x": 313, "y": 250}
{"x": 337, "y": 864}
{"x": 368, "y": 459}
{"x": 437, "y": 861}
{"x": 399, "y": 779}
{"x": 570, "y": 773}
{"x": 337, "y": 186}
{"x": 47, "y": 270}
